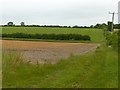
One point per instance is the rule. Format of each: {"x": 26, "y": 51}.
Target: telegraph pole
{"x": 113, "y": 15}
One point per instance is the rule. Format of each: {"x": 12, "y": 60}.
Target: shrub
{"x": 113, "y": 39}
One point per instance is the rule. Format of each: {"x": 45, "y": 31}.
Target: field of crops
{"x": 95, "y": 34}
{"x": 47, "y": 52}
{"x": 94, "y": 69}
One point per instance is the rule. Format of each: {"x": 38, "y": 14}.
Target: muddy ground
{"x": 44, "y": 52}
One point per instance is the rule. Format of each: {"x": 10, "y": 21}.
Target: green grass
{"x": 95, "y": 34}
{"x": 97, "y": 69}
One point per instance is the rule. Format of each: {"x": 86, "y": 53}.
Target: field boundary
{"x": 46, "y": 40}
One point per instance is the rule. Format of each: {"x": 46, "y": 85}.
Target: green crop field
{"x": 95, "y": 69}
{"x": 95, "y": 34}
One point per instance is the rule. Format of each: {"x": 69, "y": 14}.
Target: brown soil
{"x": 42, "y": 52}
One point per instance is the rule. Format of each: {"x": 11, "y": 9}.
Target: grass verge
{"x": 97, "y": 69}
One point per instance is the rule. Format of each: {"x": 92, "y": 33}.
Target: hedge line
{"x": 48, "y": 36}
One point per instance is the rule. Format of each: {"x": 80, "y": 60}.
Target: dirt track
{"x": 41, "y": 52}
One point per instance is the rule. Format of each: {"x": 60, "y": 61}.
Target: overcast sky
{"x": 57, "y": 12}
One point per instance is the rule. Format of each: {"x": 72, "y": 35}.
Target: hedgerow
{"x": 48, "y": 36}
{"x": 113, "y": 39}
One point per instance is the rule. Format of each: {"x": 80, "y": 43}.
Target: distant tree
{"x": 22, "y": 24}
{"x": 65, "y": 26}
{"x": 75, "y": 26}
{"x": 101, "y": 26}
{"x": 117, "y": 26}
{"x": 10, "y": 24}
{"x": 69, "y": 26}
{"x": 86, "y": 27}
{"x": 91, "y": 26}
{"x": 97, "y": 26}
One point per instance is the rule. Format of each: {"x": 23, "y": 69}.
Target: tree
{"x": 75, "y": 26}
{"x": 10, "y": 24}
{"x": 22, "y": 24}
{"x": 117, "y": 26}
{"x": 91, "y": 26}
{"x": 101, "y": 26}
{"x": 97, "y": 26}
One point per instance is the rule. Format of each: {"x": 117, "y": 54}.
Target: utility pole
{"x": 113, "y": 15}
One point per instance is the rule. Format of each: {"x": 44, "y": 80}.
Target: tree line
{"x": 99, "y": 26}
{"x": 48, "y": 36}
{"x": 75, "y": 26}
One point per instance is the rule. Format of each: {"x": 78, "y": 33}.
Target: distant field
{"x": 95, "y": 34}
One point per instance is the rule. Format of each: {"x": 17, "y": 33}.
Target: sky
{"x": 57, "y": 12}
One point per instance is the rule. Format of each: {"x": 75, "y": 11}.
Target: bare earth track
{"x": 42, "y": 52}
